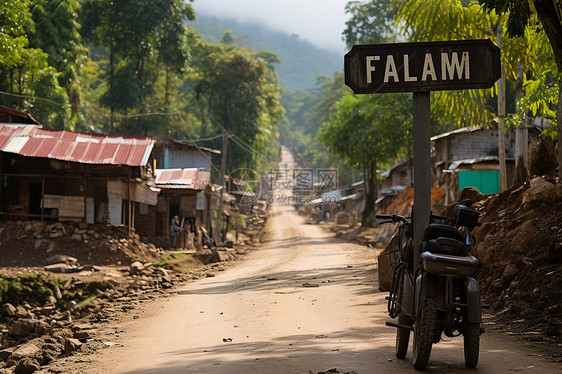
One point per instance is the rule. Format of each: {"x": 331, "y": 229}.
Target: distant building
{"x": 469, "y": 157}
{"x": 173, "y": 154}
{"x": 12, "y": 116}
{"x": 183, "y": 175}
{"x": 188, "y": 194}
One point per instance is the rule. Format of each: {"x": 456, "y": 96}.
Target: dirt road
{"x": 303, "y": 302}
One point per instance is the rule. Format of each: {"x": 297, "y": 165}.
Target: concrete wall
{"x": 473, "y": 145}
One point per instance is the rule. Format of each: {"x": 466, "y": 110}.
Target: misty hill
{"x": 301, "y": 61}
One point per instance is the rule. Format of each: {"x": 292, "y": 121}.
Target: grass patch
{"x": 27, "y": 287}
{"x": 87, "y": 300}
{"x": 168, "y": 259}
{"x": 178, "y": 262}
{"x": 37, "y": 288}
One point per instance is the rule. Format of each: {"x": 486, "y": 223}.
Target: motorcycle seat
{"x": 437, "y": 230}
{"x": 448, "y": 265}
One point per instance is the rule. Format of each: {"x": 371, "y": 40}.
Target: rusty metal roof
{"x": 9, "y": 115}
{"x": 191, "y": 178}
{"x": 33, "y": 141}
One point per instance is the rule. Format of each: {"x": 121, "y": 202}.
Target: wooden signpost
{"x": 421, "y": 68}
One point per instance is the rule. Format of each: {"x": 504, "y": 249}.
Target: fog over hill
{"x": 301, "y": 61}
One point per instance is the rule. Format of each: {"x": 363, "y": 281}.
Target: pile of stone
{"x": 30, "y": 243}
{"x": 33, "y": 334}
{"x": 519, "y": 246}
{"x": 256, "y": 219}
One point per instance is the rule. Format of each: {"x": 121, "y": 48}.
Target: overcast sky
{"x": 321, "y": 22}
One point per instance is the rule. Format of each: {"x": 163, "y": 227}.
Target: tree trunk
{"x": 559, "y": 126}
{"x": 521, "y": 133}
{"x": 111, "y": 84}
{"x": 501, "y": 119}
{"x": 546, "y": 11}
{"x": 370, "y": 194}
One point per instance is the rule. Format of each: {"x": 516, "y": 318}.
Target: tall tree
{"x": 26, "y": 79}
{"x": 57, "y": 32}
{"x": 521, "y": 15}
{"x": 138, "y": 35}
{"x": 367, "y": 132}
{"x": 237, "y": 91}
{"x": 370, "y": 22}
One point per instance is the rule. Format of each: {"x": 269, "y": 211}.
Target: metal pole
{"x": 129, "y": 201}
{"x": 42, "y": 199}
{"x": 222, "y": 179}
{"x": 422, "y": 167}
{"x": 501, "y": 120}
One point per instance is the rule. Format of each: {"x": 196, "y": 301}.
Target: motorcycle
{"x": 434, "y": 291}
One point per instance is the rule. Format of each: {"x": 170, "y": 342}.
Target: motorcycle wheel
{"x": 402, "y": 337}
{"x": 424, "y": 331}
{"x": 471, "y": 336}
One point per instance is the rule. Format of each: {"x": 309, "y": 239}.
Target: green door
{"x": 486, "y": 181}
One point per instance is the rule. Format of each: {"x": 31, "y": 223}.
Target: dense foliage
{"x": 528, "y": 58}
{"x": 135, "y": 67}
{"x": 301, "y": 61}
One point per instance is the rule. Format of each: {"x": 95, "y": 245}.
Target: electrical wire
{"x": 87, "y": 107}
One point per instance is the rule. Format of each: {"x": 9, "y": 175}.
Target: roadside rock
{"x": 71, "y": 345}
{"x": 61, "y": 268}
{"x": 20, "y": 328}
{"x": 62, "y": 259}
{"x": 8, "y": 310}
{"x": 136, "y": 267}
{"x": 27, "y": 350}
{"x": 5, "y": 353}
{"x": 540, "y": 190}
{"x": 27, "y": 365}
{"x": 22, "y": 312}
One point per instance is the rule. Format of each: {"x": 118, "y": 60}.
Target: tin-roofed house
{"x": 183, "y": 174}
{"x": 70, "y": 176}
{"x": 12, "y": 116}
{"x": 469, "y": 157}
{"x": 184, "y": 193}
{"x": 173, "y": 154}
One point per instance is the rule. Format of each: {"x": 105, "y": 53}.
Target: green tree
{"x": 521, "y": 16}
{"x": 238, "y": 91}
{"x": 367, "y": 132}
{"x": 430, "y": 20}
{"x": 139, "y": 37}
{"x": 14, "y": 16}
{"x": 27, "y": 81}
{"x": 57, "y": 32}
{"x": 370, "y": 22}
{"x": 306, "y": 111}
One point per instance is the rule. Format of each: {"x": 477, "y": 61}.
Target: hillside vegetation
{"x": 301, "y": 61}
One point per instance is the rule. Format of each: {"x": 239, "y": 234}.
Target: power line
{"x": 195, "y": 144}
{"x": 35, "y": 98}
{"x": 88, "y": 107}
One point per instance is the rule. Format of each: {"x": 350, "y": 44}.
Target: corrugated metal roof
{"x": 190, "y": 178}
{"x": 457, "y": 131}
{"x": 9, "y": 115}
{"x": 33, "y": 141}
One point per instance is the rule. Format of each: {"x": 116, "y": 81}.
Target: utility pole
{"x": 501, "y": 119}
{"x": 223, "y": 183}
{"x": 521, "y": 133}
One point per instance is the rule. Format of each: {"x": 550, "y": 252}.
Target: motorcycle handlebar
{"x": 393, "y": 217}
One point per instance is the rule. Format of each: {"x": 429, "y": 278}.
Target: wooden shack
{"x": 69, "y": 176}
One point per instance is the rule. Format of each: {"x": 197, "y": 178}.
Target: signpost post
{"x": 421, "y": 68}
